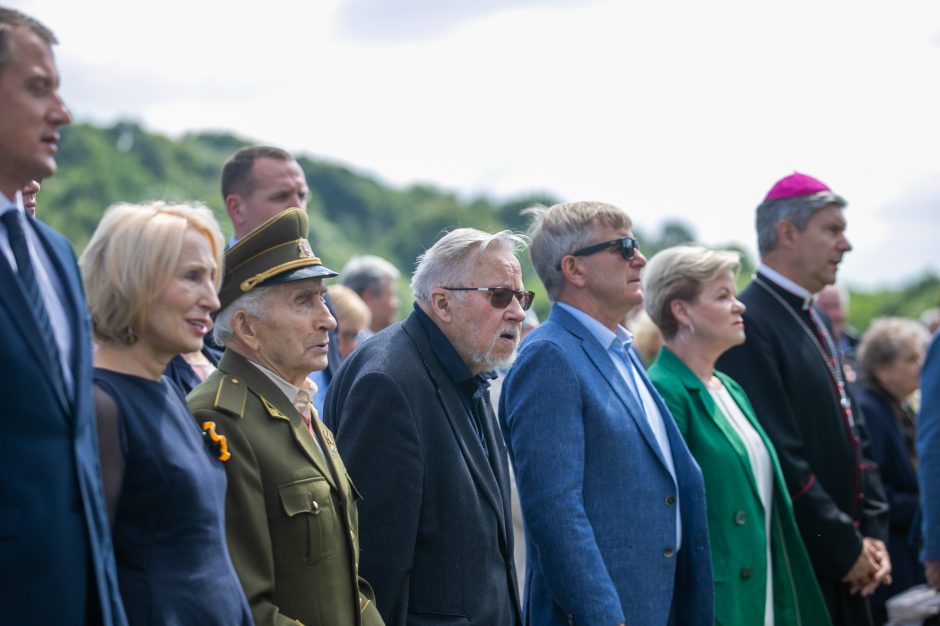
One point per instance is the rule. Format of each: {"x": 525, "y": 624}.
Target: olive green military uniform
{"x": 290, "y": 508}
{"x": 290, "y": 514}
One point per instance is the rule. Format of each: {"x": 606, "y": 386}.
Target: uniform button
{"x": 670, "y": 500}
{"x": 235, "y": 381}
{"x": 668, "y": 552}
{"x": 746, "y": 573}
{"x": 740, "y": 518}
{"x": 315, "y": 506}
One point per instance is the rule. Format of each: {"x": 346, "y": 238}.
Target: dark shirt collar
{"x": 450, "y": 359}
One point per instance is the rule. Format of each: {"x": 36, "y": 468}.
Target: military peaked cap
{"x": 275, "y": 252}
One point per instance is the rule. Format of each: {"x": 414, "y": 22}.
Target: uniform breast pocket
{"x": 309, "y": 530}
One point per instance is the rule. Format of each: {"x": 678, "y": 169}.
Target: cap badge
{"x": 303, "y": 246}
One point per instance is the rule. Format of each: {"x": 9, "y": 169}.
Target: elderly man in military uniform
{"x": 291, "y": 516}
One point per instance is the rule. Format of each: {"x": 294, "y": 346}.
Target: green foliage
{"x": 909, "y": 301}
{"x": 350, "y": 212}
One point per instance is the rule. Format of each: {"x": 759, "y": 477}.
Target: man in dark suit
{"x": 290, "y": 508}
{"x": 55, "y": 547}
{"x": 413, "y": 420}
{"x": 259, "y": 182}
{"x": 790, "y": 369}
{"x": 613, "y": 502}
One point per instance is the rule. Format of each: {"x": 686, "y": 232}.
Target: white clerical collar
{"x": 785, "y": 283}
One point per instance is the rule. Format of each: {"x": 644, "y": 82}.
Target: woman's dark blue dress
{"x": 169, "y": 527}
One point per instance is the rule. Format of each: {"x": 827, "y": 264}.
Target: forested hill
{"x": 350, "y": 212}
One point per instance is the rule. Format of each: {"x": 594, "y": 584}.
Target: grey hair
{"x": 368, "y": 273}
{"x": 252, "y": 303}
{"x": 678, "y": 274}
{"x": 563, "y": 228}
{"x": 884, "y": 342}
{"x": 446, "y": 262}
{"x": 797, "y": 210}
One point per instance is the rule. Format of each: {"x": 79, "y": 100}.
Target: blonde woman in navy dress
{"x": 151, "y": 273}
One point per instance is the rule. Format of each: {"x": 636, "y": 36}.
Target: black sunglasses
{"x": 628, "y": 247}
{"x": 501, "y": 296}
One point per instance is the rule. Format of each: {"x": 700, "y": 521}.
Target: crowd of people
{"x": 207, "y": 432}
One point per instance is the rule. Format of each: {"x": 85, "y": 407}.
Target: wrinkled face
{"x": 901, "y": 377}
{"x": 32, "y": 112}
{"x": 486, "y": 337}
{"x": 612, "y": 282}
{"x": 716, "y": 315}
{"x": 279, "y": 185}
{"x": 29, "y": 191}
{"x": 384, "y": 307}
{"x": 179, "y": 317}
{"x": 819, "y": 248}
{"x": 292, "y": 336}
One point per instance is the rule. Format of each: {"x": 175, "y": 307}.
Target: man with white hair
{"x": 290, "y": 510}
{"x": 413, "y": 420}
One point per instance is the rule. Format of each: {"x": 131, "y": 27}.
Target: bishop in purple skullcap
{"x": 796, "y": 198}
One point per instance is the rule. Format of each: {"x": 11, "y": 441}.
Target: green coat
{"x": 736, "y": 527}
{"x": 291, "y": 521}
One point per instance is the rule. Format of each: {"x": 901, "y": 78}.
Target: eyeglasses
{"x": 501, "y": 297}
{"x": 628, "y": 247}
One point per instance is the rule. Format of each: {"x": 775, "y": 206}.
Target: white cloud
{"x": 682, "y": 109}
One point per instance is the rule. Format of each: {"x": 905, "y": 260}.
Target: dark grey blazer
{"x": 435, "y": 523}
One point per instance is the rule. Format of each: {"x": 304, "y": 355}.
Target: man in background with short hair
{"x": 373, "y": 279}
{"x": 258, "y": 183}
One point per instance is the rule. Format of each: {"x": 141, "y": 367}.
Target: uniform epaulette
{"x": 230, "y": 396}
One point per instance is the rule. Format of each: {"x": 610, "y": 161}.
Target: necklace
{"x": 831, "y": 361}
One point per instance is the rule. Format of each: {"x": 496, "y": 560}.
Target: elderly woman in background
{"x": 151, "y": 273}
{"x": 352, "y": 317}
{"x": 889, "y": 360}
{"x": 762, "y": 572}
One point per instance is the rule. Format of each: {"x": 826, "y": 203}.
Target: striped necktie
{"x": 13, "y": 220}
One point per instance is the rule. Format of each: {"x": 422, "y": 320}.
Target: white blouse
{"x": 763, "y": 475}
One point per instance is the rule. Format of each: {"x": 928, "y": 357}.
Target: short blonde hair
{"x": 885, "y": 341}
{"x": 131, "y": 258}
{"x": 678, "y": 274}
{"x": 351, "y": 311}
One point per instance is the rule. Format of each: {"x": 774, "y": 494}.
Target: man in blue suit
{"x": 613, "y": 503}
{"x": 928, "y": 451}
{"x": 55, "y": 548}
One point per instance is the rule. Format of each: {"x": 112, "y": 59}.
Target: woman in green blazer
{"x": 762, "y": 572}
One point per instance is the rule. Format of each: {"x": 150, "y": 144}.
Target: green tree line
{"x": 350, "y": 212}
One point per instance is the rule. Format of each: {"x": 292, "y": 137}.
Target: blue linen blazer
{"x": 928, "y": 451}
{"x": 53, "y": 524}
{"x": 598, "y": 501}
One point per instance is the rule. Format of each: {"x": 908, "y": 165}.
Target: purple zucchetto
{"x": 796, "y": 185}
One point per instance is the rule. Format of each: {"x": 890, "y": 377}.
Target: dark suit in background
{"x": 55, "y": 546}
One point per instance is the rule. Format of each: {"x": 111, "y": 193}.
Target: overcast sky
{"x": 681, "y": 109}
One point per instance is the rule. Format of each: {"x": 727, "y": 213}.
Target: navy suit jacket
{"x": 598, "y": 501}
{"x": 55, "y": 545}
{"x": 434, "y": 521}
